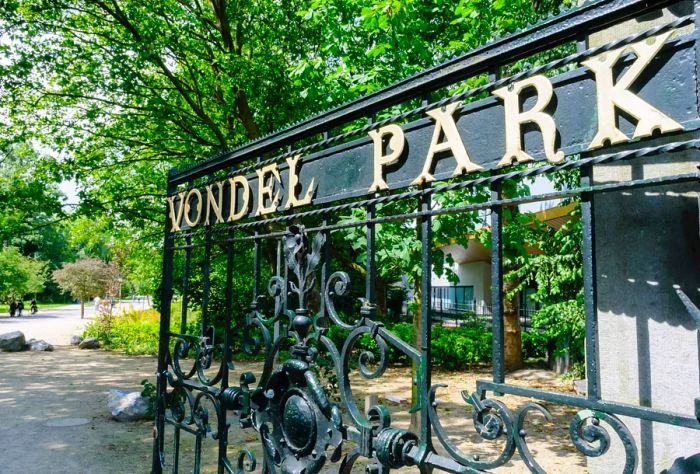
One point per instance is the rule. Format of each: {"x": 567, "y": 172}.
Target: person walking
{"x": 13, "y": 308}
{"x": 20, "y": 307}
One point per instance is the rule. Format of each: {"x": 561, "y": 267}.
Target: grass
{"x": 5, "y": 308}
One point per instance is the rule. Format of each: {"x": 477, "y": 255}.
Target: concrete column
{"x": 647, "y": 245}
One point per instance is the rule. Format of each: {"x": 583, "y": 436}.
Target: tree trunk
{"x": 512, "y": 338}
{"x": 417, "y": 332}
{"x": 513, "y": 356}
{"x": 82, "y": 309}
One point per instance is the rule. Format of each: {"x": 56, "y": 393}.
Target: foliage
{"x": 535, "y": 345}
{"x": 132, "y": 332}
{"x": 451, "y": 348}
{"x": 86, "y": 278}
{"x": 564, "y": 323}
{"x": 20, "y": 275}
{"x": 551, "y": 259}
{"x": 29, "y": 198}
{"x": 149, "y": 393}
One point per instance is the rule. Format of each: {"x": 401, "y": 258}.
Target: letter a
{"x": 611, "y": 96}
{"x": 515, "y": 118}
{"x": 445, "y": 123}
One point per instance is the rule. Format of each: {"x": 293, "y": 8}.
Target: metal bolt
{"x": 522, "y": 433}
{"x": 595, "y": 421}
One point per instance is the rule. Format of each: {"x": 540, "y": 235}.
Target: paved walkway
{"x": 56, "y": 325}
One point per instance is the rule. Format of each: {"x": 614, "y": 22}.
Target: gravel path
{"x": 43, "y": 393}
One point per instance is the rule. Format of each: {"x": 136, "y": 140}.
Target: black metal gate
{"x": 282, "y": 197}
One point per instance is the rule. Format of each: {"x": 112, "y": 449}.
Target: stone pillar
{"x": 647, "y": 245}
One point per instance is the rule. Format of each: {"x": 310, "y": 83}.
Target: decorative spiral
{"x": 519, "y": 435}
{"x": 205, "y": 357}
{"x": 245, "y": 461}
{"x": 366, "y": 357}
{"x": 593, "y": 440}
{"x": 180, "y": 402}
{"x": 181, "y": 350}
{"x": 200, "y": 413}
{"x": 491, "y": 420}
{"x": 337, "y": 285}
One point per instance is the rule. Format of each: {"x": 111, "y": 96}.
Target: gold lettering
{"x": 215, "y": 204}
{"x": 611, "y": 96}
{"x": 445, "y": 123}
{"x": 515, "y": 118}
{"x": 292, "y": 200}
{"x": 266, "y": 188}
{"x": 396, "y": 143}
{"x": 176, "y": 217}
{"x": 243, "y": 183}
{"x": 193, "y": 223}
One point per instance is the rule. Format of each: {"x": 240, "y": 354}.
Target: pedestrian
{"x": 20, "y": 307}
{"x": 13, "y": 308}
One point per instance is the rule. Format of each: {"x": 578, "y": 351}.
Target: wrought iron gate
{"x": 231, "y": 208}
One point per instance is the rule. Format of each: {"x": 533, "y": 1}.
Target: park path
{"x": 54, "y": 417}
{"x": 57, "y": 325}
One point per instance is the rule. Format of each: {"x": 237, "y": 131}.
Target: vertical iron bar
{"x": 371, "y": 235}
{"x": 325, "y": 268}
{"x": 163, "y": 342}
{"x": 197, "y": 454}
{"x": 497, "y": 286}
{"x": 185, "y": 285}
{"x": 176, "y": 450}
{"x": 371, "y": 267}
{"x": 278, "y": 272}
{"x": 206, "y": 283}
{"x": 223, "y": 425}
{"x": 589, "y": 286}
{"x": 256, "y": 266}
{"x": 426, "y": 276}
{"x": 589, "y": 272}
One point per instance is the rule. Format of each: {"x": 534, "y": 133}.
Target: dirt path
{"x": 42, "y": 391}
{"x": 39, "y": 390}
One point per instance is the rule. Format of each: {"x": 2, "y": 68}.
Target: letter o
{"x": 189, "y": 222}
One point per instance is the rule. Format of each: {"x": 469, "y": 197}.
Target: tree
{"x": 84, "y": 279}
{"x": 20, "y": 275}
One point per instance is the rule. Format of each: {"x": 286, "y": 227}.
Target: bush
{"x": 134, "y": 332}
{"x": 564, "y": 325}
{"x": 534, "y": 344}
{"x": 456, "y": 348}
{"x": 452, "y": 348}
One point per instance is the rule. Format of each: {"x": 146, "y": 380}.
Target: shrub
{"x": 134, "y": 332}
{"x": 452, "y": 348}
{"x": 534, "y": 344}
{"x": 564, "y": 325}
{"x": 456, "y": 348}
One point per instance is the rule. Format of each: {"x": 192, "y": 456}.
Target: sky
{"x": 70, "y": 189}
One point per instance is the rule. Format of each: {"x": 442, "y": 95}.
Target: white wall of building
{"x": 475, "y": 274}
